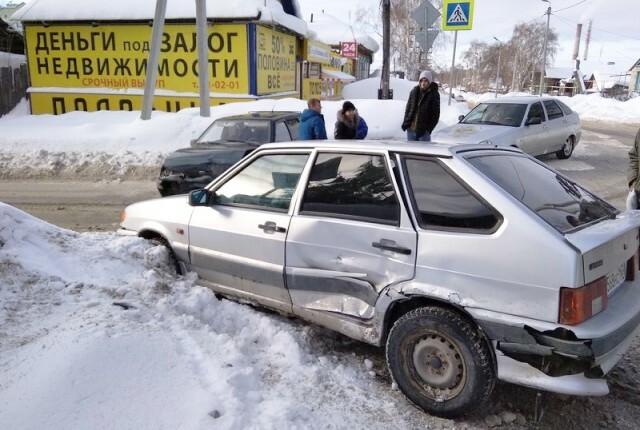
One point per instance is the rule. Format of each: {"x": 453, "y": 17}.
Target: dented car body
{"x": 470, "y": 263}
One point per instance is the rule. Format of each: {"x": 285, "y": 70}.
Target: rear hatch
{"x": 608, "y": 248}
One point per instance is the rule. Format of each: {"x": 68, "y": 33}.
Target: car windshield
{"x": 225, "y": 131}
{"x": 509, "y": 114}
{"x": 555, "y": 198}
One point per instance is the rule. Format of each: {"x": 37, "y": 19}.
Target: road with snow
{"x": 599, "y": 162}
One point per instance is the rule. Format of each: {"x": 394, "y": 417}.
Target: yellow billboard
{"x": 275, "y": 61}
{"x": 116, "y": 55}
{"x": 311, "y": 88}
{"x": 59, "y": 103}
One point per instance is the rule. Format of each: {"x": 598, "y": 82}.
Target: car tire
{"x": 440, "y": 361}
{"x": 567, "y": 149}
{"x": 174, "y": 263}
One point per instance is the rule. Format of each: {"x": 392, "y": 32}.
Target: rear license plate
{"x": 616, "y": 278}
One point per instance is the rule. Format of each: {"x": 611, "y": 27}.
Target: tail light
{"x": 579, "y": 304}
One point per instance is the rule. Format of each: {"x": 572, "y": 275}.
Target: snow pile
{"x": 98, "y": 333}
{"x": 114, "y": 145}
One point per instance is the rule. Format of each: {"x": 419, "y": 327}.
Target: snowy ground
{"x": 97, "y": 333}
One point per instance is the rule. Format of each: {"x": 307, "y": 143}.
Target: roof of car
{"x": 422, "y": 148}
{"x": 517, "y": 99}
{"x": 269, "y": 115}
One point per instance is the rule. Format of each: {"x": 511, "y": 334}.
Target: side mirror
{"x": 460, "y": 118}
{"x": 534, "y": 121}
{"x": 192, "y": 142}
{"x": 199, "y": 197}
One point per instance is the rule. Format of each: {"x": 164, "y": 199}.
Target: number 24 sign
{"x": 349, "y": 49}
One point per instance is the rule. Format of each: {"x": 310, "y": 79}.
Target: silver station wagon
{"x": 469, "y": 263}
{"x": 536, "y": 125}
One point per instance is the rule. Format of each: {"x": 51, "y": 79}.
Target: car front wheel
{"x": 440, "y": 361}
{"x": 567, "y": 149}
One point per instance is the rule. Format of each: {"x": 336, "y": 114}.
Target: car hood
{"x": 190, "y": 158}
{"x": 472, "y": 133}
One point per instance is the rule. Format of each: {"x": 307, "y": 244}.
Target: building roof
{"x": 268, "y": 11}
{"x": 332, "y": 31}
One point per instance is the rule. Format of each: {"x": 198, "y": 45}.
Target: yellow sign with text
{"x": 116, "y": 56}
{"x": 59, "y": 103}
{"x": 275, "y": 61}
{"x": 311, "y": 88}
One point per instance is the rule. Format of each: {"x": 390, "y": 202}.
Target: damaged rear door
{"x": 351, "y": 236}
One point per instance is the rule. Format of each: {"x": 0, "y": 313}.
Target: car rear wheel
{"x": 567, "y": 149}
{"x": 440, "y": 361}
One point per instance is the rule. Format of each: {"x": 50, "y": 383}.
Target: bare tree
{"x": 406, "y": 53}
{"x": 520, "y": 58}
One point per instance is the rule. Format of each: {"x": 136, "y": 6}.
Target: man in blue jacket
{"x": 312, "y": 122}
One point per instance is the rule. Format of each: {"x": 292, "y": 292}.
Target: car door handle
{"x": 271, "y": 227}
{"x": 390, "y": 245}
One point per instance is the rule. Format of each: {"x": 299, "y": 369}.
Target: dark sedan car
{"x": 221, "y": 145}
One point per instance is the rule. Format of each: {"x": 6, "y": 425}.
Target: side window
{"x": 351, "y": 186}
{"x": 282, "y": 133}
{"x": 565, "y": 109}
{"x": 535, "y": 111}
{"x": 268, "y": 182}
{"x": 293, "y": 128}
{"x": 441, "y": 202}
{"x": 553, "y": 110}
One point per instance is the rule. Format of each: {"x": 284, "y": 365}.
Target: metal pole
{"x": 544, "y": 51}
{"x": 386, "y": 40}
{"x": 203, "y": 57}
{"x": 515, "y": 67}
{"x": 453, "y": 66}
{"x": 498, "y": 68}
{"x": 152, "y": 63}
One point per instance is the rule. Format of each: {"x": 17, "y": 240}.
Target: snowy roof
{"x": 270, "y": 11}
{"x": 332, "y": 31}
{"x": 606, "y": 75}
{"x": 558, "y": 72}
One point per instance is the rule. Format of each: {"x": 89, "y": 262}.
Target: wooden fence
{"x": 13, "y": 87}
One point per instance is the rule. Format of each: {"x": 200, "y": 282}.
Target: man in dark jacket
{"x": 312, "y": 122}
{"x": 423, "y": 109}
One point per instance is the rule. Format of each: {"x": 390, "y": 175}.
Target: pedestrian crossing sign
{"x": 457, "y": 15}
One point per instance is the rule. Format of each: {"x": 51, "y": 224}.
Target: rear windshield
{"x": 555, "y": 198}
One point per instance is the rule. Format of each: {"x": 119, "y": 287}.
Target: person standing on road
{"x": 422, "y": 112}
{"x": 312, "y": 122}
{"x": 633, "y": 171}
{"x": 349, "y": 124}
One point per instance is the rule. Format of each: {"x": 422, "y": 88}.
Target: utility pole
{"x": 386, "y": 36}
{"x": 544, "y": 49}
{"x": 498, "y": 68}
{"x": 152, "y": 63}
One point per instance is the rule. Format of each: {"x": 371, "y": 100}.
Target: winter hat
{"x": 347, "y": 106}
{"x": 425, "y": 74}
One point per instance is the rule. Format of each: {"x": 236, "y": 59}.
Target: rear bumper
{"x": 564, "y": 359}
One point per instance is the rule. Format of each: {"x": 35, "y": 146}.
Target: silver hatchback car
{"x": 536, "y": 125}
{"x": 470, "y": 263}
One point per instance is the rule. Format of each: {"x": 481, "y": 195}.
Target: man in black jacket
{"x": 423, "y": 109}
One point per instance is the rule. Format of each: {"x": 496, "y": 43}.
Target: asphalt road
{"x": 599, "y": 163}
